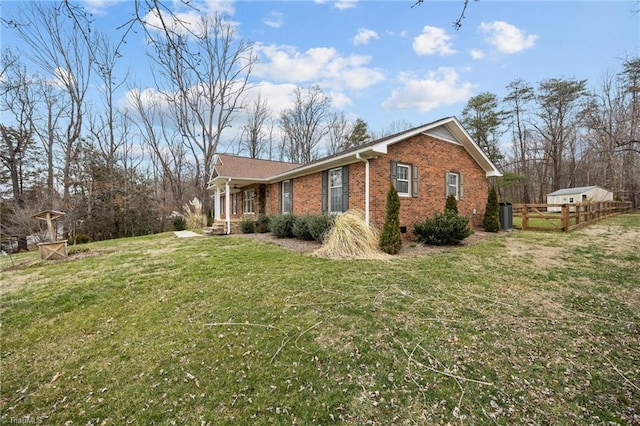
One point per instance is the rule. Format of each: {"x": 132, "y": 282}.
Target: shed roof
{"x": 569, "y": 191}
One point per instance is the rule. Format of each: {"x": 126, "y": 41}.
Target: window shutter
{"x": 345, "y": 188}
{"x": 394, "y": 174}
{"x": 461, "y": 187}
{"x": 280, "y": 197}
{"x": 291, "y": 195}
{"x": 414, "y": 179}
{"x": 325, "y": 191}
{"x": 446, "y": 184}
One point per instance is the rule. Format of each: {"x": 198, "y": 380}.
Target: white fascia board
{"x": 472, "y": 148}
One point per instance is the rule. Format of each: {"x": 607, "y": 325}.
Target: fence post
{"x": 525, "y": 216}
{"x": 565, "y": 217}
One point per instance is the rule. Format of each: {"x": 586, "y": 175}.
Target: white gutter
{"x": 367, "y": 214}
{"x": 227, "y": 205}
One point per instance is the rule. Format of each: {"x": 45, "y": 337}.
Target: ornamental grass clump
{"x": 194, "y": 219}
{"x": 351, "y": 238}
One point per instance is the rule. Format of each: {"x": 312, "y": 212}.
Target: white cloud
{"x": 477, "y": 54}
{"x": 189, "y": 19}
{"x": 507, "y": 38}
{"x": 433, "y": 41}
{"x": 322, "y": 65}
{"x": 274, "y": 20}
{"x": 340, "y": 4}
{"x": 345, "y": 4}
{"x": 441, "y": 87}
{"x": 363, "y": 36}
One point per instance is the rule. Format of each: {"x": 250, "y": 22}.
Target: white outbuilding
{"x": 583, "y": 194}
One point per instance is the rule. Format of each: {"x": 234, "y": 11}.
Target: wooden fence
{"x": 564, "y": 217}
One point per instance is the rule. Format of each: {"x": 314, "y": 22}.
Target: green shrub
{"x": 282, "y": 225}
{"x": 301, "y": 228}
{"x": 390, "y": 237}
{"x": 443, "y": 229}
{"x": 451, "y": 205}
{"x": 262, "y": 225}
{"x": 319, "y": 226}
{"x": 247, "y": 226}
{"x": 179, "y": 223}
{"x": 491, "y": 220}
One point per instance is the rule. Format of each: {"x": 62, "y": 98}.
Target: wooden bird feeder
{"x": 52, "y": 249}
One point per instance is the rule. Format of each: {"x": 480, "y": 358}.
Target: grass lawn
{"x": 521, "y": 328}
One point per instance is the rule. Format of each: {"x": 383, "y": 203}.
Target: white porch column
{"x": 216, "y": 204}
{"x": 227, "y": 205}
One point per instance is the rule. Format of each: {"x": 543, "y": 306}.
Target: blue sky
{"x": 385, "y": 61}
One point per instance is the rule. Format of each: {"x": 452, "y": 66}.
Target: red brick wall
{"x": 433, "y": 157}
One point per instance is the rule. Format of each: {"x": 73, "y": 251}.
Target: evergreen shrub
{"x": 282, "y": 225}
{"x": 443, "y": 229}
{"x": 390, "y": 237}
{"x": 247, "y": 226}
{"x": 491, "y": 220}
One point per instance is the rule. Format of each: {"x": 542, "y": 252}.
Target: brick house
{"x": 425, "y": 164}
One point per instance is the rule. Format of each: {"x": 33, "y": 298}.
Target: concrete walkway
{"x": 186, "y": 234}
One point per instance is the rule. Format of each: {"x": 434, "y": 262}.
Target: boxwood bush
{"x": 247, "y": 226}
{"x": 443, "y": 229}
{"x": 282, "y": 225}
{"x": 319, "y": 226}
{"x": 262, "y": 224}
{"x": 301, "y": 228}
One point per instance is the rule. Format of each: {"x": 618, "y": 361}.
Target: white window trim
{"x": 247, "y": 201}
{"x": 408, "y": 179}
{"x": 457, "y": 185}
{"x": 329, "y": 206}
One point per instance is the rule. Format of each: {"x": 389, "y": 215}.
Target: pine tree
{"x": 451, "y": 205}
{"x": 390, "y": 238}
{"x": 491, "y": 221}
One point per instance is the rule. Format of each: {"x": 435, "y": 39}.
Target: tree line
{"x": 561, "y": 134}
{"x": 122, "y": 171}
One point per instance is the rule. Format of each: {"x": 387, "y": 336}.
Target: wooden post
{"x": 565, "y": 217}
{"x": 525, "y": 216}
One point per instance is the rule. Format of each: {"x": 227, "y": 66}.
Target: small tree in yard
{"x": 491, "y": 221}
{"x": 390, "y": 238}
{"x": 451, "y": 204}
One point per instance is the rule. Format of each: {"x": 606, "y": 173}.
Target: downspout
{"x": 367, "y": 214}
{"x": 227, "y": 205}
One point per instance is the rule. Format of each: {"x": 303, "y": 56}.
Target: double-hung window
{"x": 403, "y": 180}
{"x": 454, "y": 182}
{"x": 247, "y": 201}
{"x": 286, "y": 196}
{"x": 335, "y": 190}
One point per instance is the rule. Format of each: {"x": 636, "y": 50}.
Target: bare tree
{"x": 338, "y": 132}
{"x": 206, "y": 72}
{"x": 56, "y": 47}
{"x": 304, "y": 125}
{"x": 16, "y": 137}
{"x": 255, "y": 133}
